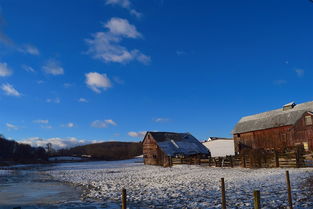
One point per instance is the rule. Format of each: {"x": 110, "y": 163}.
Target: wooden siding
{"x": 152, "y": 154}
{"x": 277, "y": 138}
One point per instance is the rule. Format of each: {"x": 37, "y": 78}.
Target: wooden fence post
{"x": 244, "y": 161}
{"x": 276, "y": 159}
{"x": 289, "y": 190}
{"x": 231, "y": 161}
{"x": 124, "y": 204}
{"x": 223, "y": 193}
{"x": 257, "y": 199}
{"x": 298, "y": 158}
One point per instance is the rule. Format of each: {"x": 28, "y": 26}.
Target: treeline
{"x": 11, "y": 151}
{"x": 105, "y": 150}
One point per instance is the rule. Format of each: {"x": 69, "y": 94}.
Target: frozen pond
{"x": 31, "y": 187}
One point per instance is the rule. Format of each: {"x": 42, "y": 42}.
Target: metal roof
{"x": 272, "y": 119}
{"x": 178, "y": 143}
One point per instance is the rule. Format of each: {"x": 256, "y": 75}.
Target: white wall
{"x": 221, "y": 147}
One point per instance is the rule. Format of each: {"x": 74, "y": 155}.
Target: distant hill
{"x": 106, "y": 150}
{"x": 13, "y": 152}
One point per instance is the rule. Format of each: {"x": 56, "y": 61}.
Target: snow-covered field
{"x": 185, "y": 186}
{"x": 4, "y": 172}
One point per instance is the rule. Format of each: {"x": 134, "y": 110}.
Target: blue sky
{"x": 112, "y": 69}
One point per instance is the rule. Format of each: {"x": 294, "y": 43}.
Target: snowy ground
{"x": 185, "y": 186}
{"x": 4, "y": 172}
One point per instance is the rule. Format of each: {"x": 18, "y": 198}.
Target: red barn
{"x": 277, "y": 129}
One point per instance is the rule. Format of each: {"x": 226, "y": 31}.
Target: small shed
{"x": 220, "y": 147}
{"x": 278, "y": 129}
{"x": 160, "y": 147}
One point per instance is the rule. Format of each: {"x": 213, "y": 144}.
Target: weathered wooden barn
{"x": 277, "y": 129}
{"x": 159, "y": 148}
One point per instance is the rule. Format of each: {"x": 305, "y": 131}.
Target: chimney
{"x": 289, "y": 106}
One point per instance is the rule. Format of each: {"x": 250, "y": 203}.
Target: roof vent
{"x": 289, "y": 106}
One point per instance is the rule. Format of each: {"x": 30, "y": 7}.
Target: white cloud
{"x": 5, "y": 70}
{"x": 82, "y": 100}
{"x": 126, "y": 4}
{"x": 30, "y": 49}
{"x": 11, "y": 126}
{"x": 160, "y": 120}
{"x": 58, "y": 143}
{"x": 300, "y": 72}
{"x": 137, "y": 134}
{"x": 103, "y": 123}
{"x": 106, "y": 45}
{"x": 121, "y": 27}
{"x": 53, "y": 67}
{"x": 10, "y": 90}
{"x": 97, "y": 81}
{"x": 111, "y": 122}
{"x": 40, "y": 121}
{"x": 28, "y": 68}
{"x": 69, "y": 125}
{"x": 56, "y": 100}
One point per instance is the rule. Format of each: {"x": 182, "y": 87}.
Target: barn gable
{"x": 288, "y": 115}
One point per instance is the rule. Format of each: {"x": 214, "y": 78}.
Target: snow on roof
{"x": 178, "y": 143}
{"x": 272, "y": 119}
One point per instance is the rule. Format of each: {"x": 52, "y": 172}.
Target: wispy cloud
{"x": 56, "y": 100}
{"x": 279, "y": 82}
{"x": 82, "y": 100}
{"x": 53, "y": 67}
{"x": 180, "y": 52}
{"x": 161, "y": 120}
{"x": 106, "y": 45}
{"x": 126, "y": 4}
{"x": 7, "y": 41}
{"x": 40, "y": 121}
{"x": 29, "y": 49}
{"x": 58, "y": 143}
{"x": 299, "y": 72}
{"x": 68, "y": 85}
{"x": 10, "y": 90}
{"x": 46, "y": 126}
{"x": 96, "y": 81}
{"x": 4, "y": 39}
{"x": 11, "y": 126}
{"x": 28, "y": 69}
{"x": 103, "y": 123}
{"x": 5, "y": 70}
{"x": 139, "y": 134}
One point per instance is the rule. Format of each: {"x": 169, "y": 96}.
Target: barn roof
{"x": 275, "y": 118}
{"x": 178, "y": 143}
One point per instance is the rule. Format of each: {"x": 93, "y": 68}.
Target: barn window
{"x": 154, "y": 156}
{"x": 308, "y": 120}
{"x": 238, "y": 135}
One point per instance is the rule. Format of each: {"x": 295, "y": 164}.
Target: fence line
{"x": 256, "y": 196}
